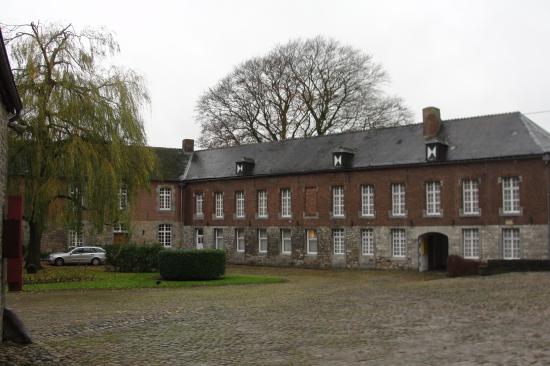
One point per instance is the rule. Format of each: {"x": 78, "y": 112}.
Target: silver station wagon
{"x": 79, "y": 255}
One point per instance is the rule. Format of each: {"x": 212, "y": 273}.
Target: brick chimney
{"x": 188, "y": 145}
{"x": 431, "y": 119}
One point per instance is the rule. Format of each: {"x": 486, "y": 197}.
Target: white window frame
{"x": 511, "y": 244}
{"x": 218, "y": 239}
{"x": 470, "y": 243}
{"x": 338, "y": 241}
{"x": 165, "y": 198}
{"x": 218, "y": 200}
{"x": 399, "y": 243}
{"x": 367, "y": 200}
{"x": 76, "y": 239}
{"x": 239, "y": 240}
{"x": 433, "y": 198}
{"x": 262, "y": 236}
{"x": 239, "y": 204}
{"x": 262, "y": 203}
{"x": 199, "y": 238}
{"x": 510, "y": 195}
{"x": 338, "y": 201}
{"x": 470, "y": 197}
{"x": 286, "y": 238}
{"x": 398, "y": 200}
{"x": 286, "y": 202}
{"x": 310, "y": 240}
{"x": 199, "y": 204}
{"x": 164, "y": 234}
{"x": 120, "y": 229}
{"x": 367, "y": 241}
{"x": 122, "y": 198}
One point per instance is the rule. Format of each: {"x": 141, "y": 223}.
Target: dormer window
{"x": 244, "y": 166}
{"x": 436, "y": 150}
{"x": 342, "y": 158}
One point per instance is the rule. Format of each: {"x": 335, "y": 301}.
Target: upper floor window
{"x": 75, "y": 238}
{"x": 262, "y": 240}
{"x": 165, "y": 198}
{"x": 338, "y": 201}
{"x": 470, "y": 197}
{"x": 76, "y": 196}
{"x": 470, "y": 243}
{"x": 218, "y": 199}
{"x": 286, "y": 241}
{"x": 398, "y": 200}
{"x": 338, "y": 241}
{"x": 165, "y": 235}
{"x": 399, "y": 242}
{"x": 367, "y": 241}
{"x": 511, "y": 244}
{"x": 286, "y": 205}
{"x": 239, "y": 238}
{"x": 510, "y": 195}
{"x": 122, "y": 198}
{"x": 239, "y": 204}
{"x": 311, "y": 238}
{"x": 367, "y": 200}
{"x": 433, "y": 198}
{"x": 262, "y": 203}
{"x": 199, "y": 203}
{"x": 218, "y": 238}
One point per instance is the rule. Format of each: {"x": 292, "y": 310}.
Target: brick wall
{"x": 3, "y": 181}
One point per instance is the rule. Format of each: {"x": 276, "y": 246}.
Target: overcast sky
{"x": 465, "y": 57}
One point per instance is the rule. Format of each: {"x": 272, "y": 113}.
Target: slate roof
{"x": 171, "y": 163}
{"x": 8, "y": 91}
{"x": 476, "y": 138}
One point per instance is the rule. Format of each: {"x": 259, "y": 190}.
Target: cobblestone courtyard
{"x": 316, "y": 317}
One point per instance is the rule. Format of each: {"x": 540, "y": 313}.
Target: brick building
{"x": 400, "y": 197}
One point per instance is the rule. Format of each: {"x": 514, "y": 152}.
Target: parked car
{"x": 79, "y": 255}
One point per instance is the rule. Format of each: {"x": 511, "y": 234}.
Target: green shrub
{"x": 192, "y": 264}
{"x": 133, "y": 258}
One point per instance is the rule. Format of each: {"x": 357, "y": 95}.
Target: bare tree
{"x": 303, "y": 88}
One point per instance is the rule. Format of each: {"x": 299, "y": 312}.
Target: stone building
{"x": 399, "y": 197}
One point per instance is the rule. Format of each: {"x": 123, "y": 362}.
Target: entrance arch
{"x": 433, "y": 250}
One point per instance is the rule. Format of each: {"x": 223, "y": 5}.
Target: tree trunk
{"x": 35, "y": 238}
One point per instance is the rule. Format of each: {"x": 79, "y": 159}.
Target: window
{"x": 398, "y": 200}
{"x": 122, "y": 198}
{"x": 199, "y": 238}
{"x": 433, "y": 198}
{"x": 511, "y": 243}
{"x": 165, "y": 198}
{"x": 165, "y": 235}
{"x": 510, "y": 195}
{"x": 367, "y": 242}
{"x": 120, "y": 228}
{"x": 399, "y": 242}
{"x": 218, "y": 198}
{"x": 311, "y": 238}
{"x": 470, "y": 197}
{"x": 76, "y": 197}
{"x": 367, "y": 200}
{"x": 338, "y": 201}
{"x": 262, "y": 203}
{"x": 239, "y": 204}
{"x": 286, "y": 210}
{"x": 470, "y": 242}
{"x": 218, "y": 238}
{"x": 199, "y": 202}
{"x": 239, "y": 238}
{"x": 286, "y": 241}
{"x": 338, "y": 241}
{"x": 311, "y": 201}
{"x": 262, "y": 240}
{"x": 75, "y": 238}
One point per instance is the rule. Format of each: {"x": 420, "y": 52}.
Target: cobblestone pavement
{"x": 316, "y": 318}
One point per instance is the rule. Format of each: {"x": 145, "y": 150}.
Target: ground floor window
{"x": 165, "y": 235}
{"x": 367, "y": 242}
{"x": 338, "y": 241}
{"x": 262, "y": 240}
{"x": 239, "y": 238}
{"x": 399, "y": 242}
{"x": 286, "y": 241}
{"x": 470, "y": 242}
{"x": 199, "y": 238}
{"x": 511, "y": 243}
{"x": 75, "y": 238}
{"x": 311, "y": 239}
{"x": 218, "y": 238}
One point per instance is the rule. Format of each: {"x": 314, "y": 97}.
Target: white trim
{"x": 310, "y": 240}
{"x": 338, "y": 241}
{"x": 261, "y": 238}
{"x": 398, "y": 200}
{"x": 399, "y": 243}
{"x": 239, "y": 235}
{"x": 284, "y": 239}
{"x": 367, "y": 242}
{"x": 338, "y": 201}
{"x": 164, "y": 233}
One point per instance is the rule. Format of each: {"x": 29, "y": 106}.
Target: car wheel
{"x": 96, "y": 262}
{"x": 59, "y": 262}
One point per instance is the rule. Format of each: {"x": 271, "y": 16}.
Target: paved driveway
{"x": 317, "y": 317}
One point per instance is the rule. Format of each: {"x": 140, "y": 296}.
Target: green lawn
{"x": 74, "y": 278}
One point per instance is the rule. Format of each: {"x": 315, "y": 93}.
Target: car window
{"x": 78, "y": 251}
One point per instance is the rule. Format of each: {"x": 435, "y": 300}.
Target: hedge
{"x": 495, "y": 266}
{"x": 133, "y": 258}
{"x": 458, "y": 266}
{"x": 192, "y": 264}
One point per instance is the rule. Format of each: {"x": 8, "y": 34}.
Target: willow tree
{"x": 81, "y": 138}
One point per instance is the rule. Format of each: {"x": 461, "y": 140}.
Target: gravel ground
{"x": 316, "y": 318}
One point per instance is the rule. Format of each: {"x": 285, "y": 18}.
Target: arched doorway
{"x": 433, "y": 250}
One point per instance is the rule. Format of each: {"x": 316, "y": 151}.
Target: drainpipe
{"x": 546, "y": 159}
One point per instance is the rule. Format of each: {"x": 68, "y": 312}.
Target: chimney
{"x": 431, "y": 119}
{"x": 188, "y": 145}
